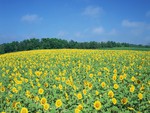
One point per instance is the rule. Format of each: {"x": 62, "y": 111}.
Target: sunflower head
{"x": 116, "y": 86}
{"x": 58, "y": 103}
{"x": 43, "y": 101}
{"x": 84, "y": 92}
{"x": 24, "y": 110}
{"x": 140, "y": 96}
{"x": 114, "y": 101}
{"x": 111, "y": 94}
{"x": 40, "y": 91}
{"x": 80, "y": 107}
{"x": 46, "y": 106}
{"x": 97, "y": 105}
{"x": 132, "y": 88}
{"x": 103, "y": 84}
{"x": 124, "y": 100}
{"x": 79, "y": 96}
{"x": 77, "y": 110}
{"x": 114, "y": 77}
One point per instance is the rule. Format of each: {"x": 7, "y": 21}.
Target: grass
{"x": 128, "y": 48}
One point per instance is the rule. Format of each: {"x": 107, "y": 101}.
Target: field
{"x": 128, "y": 48}
{"x": 68, "y": 81}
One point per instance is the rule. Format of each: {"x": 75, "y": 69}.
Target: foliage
{"x": 67, "y": 81}
{"x": 54, "y": 43}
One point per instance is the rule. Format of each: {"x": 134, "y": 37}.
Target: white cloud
{"x": 138, "y": 28}
{"x": 93, "y": 11}
{"x": 148, "y": 14}
{"x": 98, "y": 30}
{"x": 31, "y": 18}
{"x": 127, "y": 23}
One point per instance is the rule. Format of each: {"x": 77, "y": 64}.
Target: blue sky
{"x": 79, "y": 20}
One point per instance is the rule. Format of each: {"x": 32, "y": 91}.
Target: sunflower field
{"x": 75, "y": 81}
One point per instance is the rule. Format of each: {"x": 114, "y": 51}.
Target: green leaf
{"x": 53, "y": 110}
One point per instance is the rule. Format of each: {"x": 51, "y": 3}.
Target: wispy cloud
{"x": 113, "y": 32}
{"x": 93, "y": 11}
{"x": 148, "y": 14}
{"x": 31, "y": 18}
{"x": 98, "y": 30}
{"x": 127, "y": 23}
{"x": 62, "y": 34}
{"x": 137, "y": 27}
{"x": 78, "y": 34}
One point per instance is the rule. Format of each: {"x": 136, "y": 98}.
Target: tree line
{"x": 54, "y": 43}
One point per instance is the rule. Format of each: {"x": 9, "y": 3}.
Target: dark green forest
{"x": 54, "y": 43}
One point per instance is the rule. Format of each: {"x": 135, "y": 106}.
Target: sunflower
{"x": 116, "y": 86}
{"x": 58, "y": 103}
{"x": 38, "y": 73}
{"x": 133, "y": 78}
{"x": 91, "y": 75}
{"x": 15, "y": 104}
{"x": 40, "y": 91}
{"x": 97, "y": 105}
{"x": 84, "y": 92}
{"x": 99, "y": 73}
{"x": 24, "y": 110}
{"x": 10, "y": 95}
{"x": 114, "y": 77}
{"x": 46, "y": 84}
{"x": 63, "y": 79}
{"x": 124, "y": 100}
{"x": 38, "y": 84}
{"x": 43, "y": 101}
{"x": 124, "y": 75}
{"x": 54, "y": 86}
{"x": 46, "y": 106}
{"x": 57, "y": 78}
{"x": 60, "y": 87}
{"x": 115, "y": 71}
{"x": 103, "y": 84}
{"x": 3, "y": 89}
{"x": 79, "y": 96}
{"x": 132, "y": 88}
{"x": 36, "y": 98}
{"x": 96, "y": 92}
{"x": 80, "y": 107}
{"x": 140, "y": 96}
{"x": 28, "y": 94}
{"x": 114, "y": 100}
{"x": 111, "y": 94}
{"x": 14, "y": 90}
{"x": 26, "y": 80}
{"x": 68, "y": 82}
{"x": 142, "y": 88}
{"x": 90, "y": 85}
{"x": 77, "y": 110}
{"x": 121, "y": 77}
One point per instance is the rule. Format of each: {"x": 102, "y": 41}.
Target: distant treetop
{"x": 54, "y": 43}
